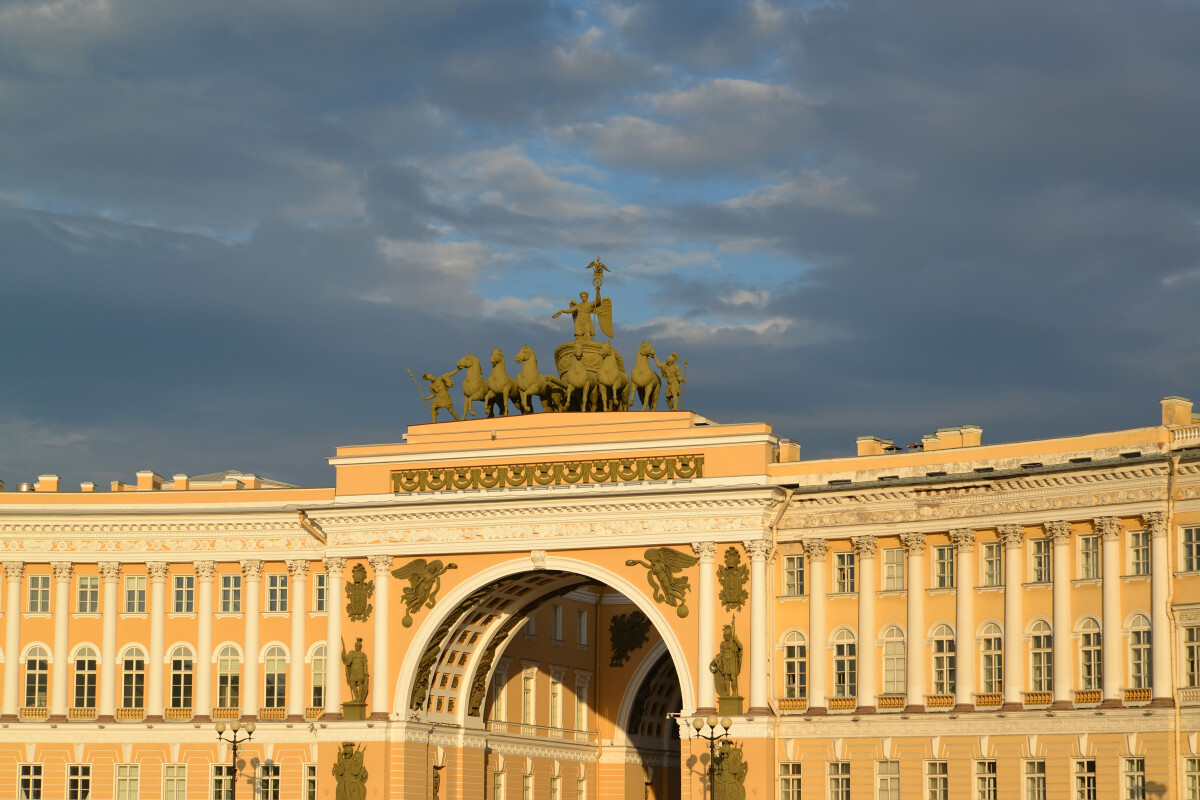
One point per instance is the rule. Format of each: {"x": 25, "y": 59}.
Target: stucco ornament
{"x": 733, "y": 575}
{"x": 669, "y": 588}
{"x": 729, "y": 773}
{"x": 359, "y": 591}
{"x": 627, "y": 632}
{"x": 424, "y": 579}
{"x": 350, "y": 773}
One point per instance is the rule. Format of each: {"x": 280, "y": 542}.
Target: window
{"x": 993, "y": 569}
{"x": 556, "y": 625}
{"x": 845, "y": 665}
{"x": 581, "y": 627}
{"x": 943, "y": 660}
{"x": 1085, "y": 779}
{"x": 985, "y": 780}
{"x": 270, "y": 784}
{"x": 1089, "y": 557}
{"x": 793, "y": 576}
{"x": 887, "y": 774}
{"x": 231, "y": 594}
{"x": 1040, "y": 572}
{"x": 500, "y": 695}
{"x": 1191, "y": 549}
{"x": 37, "y": 676}
{"x": 943, "y": 567}
{"x": 839, "y": 780}
{"x": 79, "y": 782}
{"x": 31, "y": 782}
{"x": 310, "y": 782}
{"x": 222, "y": 781}
{"x": 795, "y": 666}
{"x": 275, "y": 678}
{"x": 135, "y": 594}
{"x": 893, "y": 569}
{"x": 1090, "y": 662}
{"x": 85, "y": 677}
{"x": 556, "y": 700}
{"x": 1139, "y": 653}
{"x": 937, "y": 780}
{"x": 174, "y": 782}
{"x": 581, "y": 789}
{"x": 277, "y": 592}
{"x": 530, "y": 626}
{"x": 1035, "y": 780}
{"x": 184, "y": 594}
{"x": 526, "y": 787}
{"x": 181, "y": 677}
{"x": 133, "y": 678}
{"x": 992, "y": 655}
{"x": 498, "y": 785}
{"x": 229, "y": 670}
{"x": 1135, "y": 779}
{"x": 1139, "y": 552}
{"x": 39, "y": 594}
{"x": 555, "y": 787}
{"x": 318, "y": 677}
{"x": 789, "y": 780}
{"x": 1192, "y": 775}
{"x": 127, "y": 782}
{"x": 581, "y": 704}
{"x": 320, "y": 591}
{"x": 87, "y": 596}
{"x": 844, "y": 572}
{"x": 527, "y": 689}
{"x": 894, "y": 667}
{"x": 1041, "y": 657}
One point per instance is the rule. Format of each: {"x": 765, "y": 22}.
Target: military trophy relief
{"x": 726, "y": 666}
{"x": 663, "y": 565}
{"x": 592, "y": 375}
{"x": 350, "y": 773}
{"x": 359, "y": 591}
{"x": 733, "y": 576}
{"x": 729, "y": 773}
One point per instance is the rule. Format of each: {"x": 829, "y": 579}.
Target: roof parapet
{"x": 1176, "y": 411}
{"x": 46, "y": 483}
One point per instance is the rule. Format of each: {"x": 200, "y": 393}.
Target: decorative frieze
{"x": 500, "y": 476}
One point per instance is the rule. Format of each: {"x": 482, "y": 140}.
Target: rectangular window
{"x": 555, "y": 701}
{"x": 1085, "y": 779}
{"x": 39, "y": 594}
{"x": 79, "y": 782}
{"x": 320, "y": 592}
{"x": 277, "y": 592}
{"x": 526, "y": 787}
{"x": 527, "y": 707}
{"x": 135, "y": 594}
{"x": 844, "y": 573}
{"x": 231, "y": 594}
{"x": 581, "y": 705}
{"x": 499, "y": 695}
{"x": 581, "y": 789}
{"x": 1040, "y": 572}
{"x": 887, "y": 775}
{"x": 1139, "y": 552}
{"x": 174, "y": 782}
{"x": 183, "y": 596}
{"x": 87, "y": 598}
{"x": 985, "y": 780}
{"x": 993, "y": 569}
{"x": 793, "y": 576}
{"x": 839, "y": 780}
{"x": 222, "y": 782}
{"x": 270, "y": 783}
{"x": 789, "y": 780}
{"x": 556, "y": 625}
{"x": 937, "y": 780}
{"x": 1191, "y": 549}
{"x": 1089, "y": 558}
{"x": 85, "y": 679}
{"x": 310, "y": 782}
{"x": 893, "y": 569}
{"x": 30, "y": 783}
{"x": 943, "y": 567}
{"x": 127, "y": 782}
{"x": 498, "y": 785}
{"x": 1135, "y": 779}
{"x": 1035, "y": 780}
{"x": 581, "y": 627}
{"x": 555, "y": 787}
{"x": 1191, "y": 657}
{"x": 530, "y": 626}
{"x": 1192, "y": 778}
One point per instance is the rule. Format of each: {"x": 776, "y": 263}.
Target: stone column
{"x": 706, "y": 610}
{"x": 867, "y": 685}
{"x": 155, "y": 665}
{"x": 380, "y": 680}
{"x": 1112, "y": 666}
{"x": 298, "y": 577}
{"x": 963, "y": 540}
{"x": 251, "y": 610}
{"x": 333, "y": 638}
{"x": 110, "y": 574}
{"x": 760, "y": 643}
{"x": 1160, "y": 623}
{"x": 1012, "y": 537}
{"x": 1060, "y": 532}
{"x": 818, "y": 645}
{"x": 13, "y": 570}
{"x": 62, "y": 641}
{"x": 202, "y": 699}
{"x": 914, "y": 584}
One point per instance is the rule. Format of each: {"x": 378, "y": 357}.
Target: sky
{"x": 228, "y": 229}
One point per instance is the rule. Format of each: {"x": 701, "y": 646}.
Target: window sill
{"x": 1134, "y": 578}
{"x": 1087, "y": 582}
{"x": 318, "y": 613}
{"x": 275, "y": 614}
{"x": 892, "y": 593}
{"x": 1037, "y": 585}
{"x": 996, "y": 588}
{"x": 839, "y": 595}
{"x": 940, "y": 590}
{"x": 38, "y": 615}
{"x": 85, "y": 615}
{"x": 181, "y": 615}
{"x": 792, "y": 598}
{"x": 228, "y": 615}
{"x": 133, "y": 615}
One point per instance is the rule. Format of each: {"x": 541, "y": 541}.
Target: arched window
{"x": 181, "y": 677}
{"x": 944, "y": 667}
{"x": 795, "y": 666}
{"x": 1090, "y": 662}
{"x": 37, "y": 676}
{"x": 85, "y": 677}
{"x": 275, "y": 678}
{"x": 1139, "y": 653}
{"x": 318, "y": 677}
{"x": 894, "y": 661}
{"x": 229, "y": 675}
{"x": 133, "y": 678}
{"x": 992, "y": 654}
{"x": 1041, "y": 657}
{"x": 845, "y": 665}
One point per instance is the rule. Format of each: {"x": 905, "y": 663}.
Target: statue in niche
{"x": 627, "y": 632}
{"x": 358, "y": 676}
{"x": 359, "y": 591}
{"x": 669, "y": 588}
{"x": 729, "y": 773}
{"x": 726, "y": 666}
{"x": 733, "y": 576}
{"x": 350, "y": 773}
{"x": 424, "y": 579}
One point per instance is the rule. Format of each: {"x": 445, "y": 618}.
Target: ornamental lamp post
{"x": 712, "y": 738}
{"x": 234, "y": 739}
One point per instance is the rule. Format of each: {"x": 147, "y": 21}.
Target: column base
{"x": 294, "y": 718}
{"x": 331, "y": 716}
{"x": 201, "y": 718}
{"x": 865, "y": 710}
{"x": 9, "y": 718}
{"x": 1162, "y": 702}
{"x": 153, "y": 718}
{"x": 379, "y": 715}
{"x": 1012, "y": 707}
{"x": 910, "y": 709}
{"x": 1061, "y": 705}
{"x": 760, "y": 711}
{"x": 57, "y": 718}
{"x": 248, "y": 718}
{"x": 105, "y": 718}
{"x": 817, "y": 711}
{"x": 705, "y": 710}
{"x": 1111, "y": 703}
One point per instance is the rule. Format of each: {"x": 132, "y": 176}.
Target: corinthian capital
{"x": 252, "y": 569}
{"x": 110, "y": 570}
{"x": 914, "y": 543}
{"x": 14, "y": 569}
{"x": 1156, "y": 523}
{"x": 205, "y": 570}
{"x": 1011, "y": 535}
{"x": 1059, "y": 530}
{"x": 963, "y": 539}
{"x": 380, "y": 563}
{"x": 157, "y": 570}
{"x": 1107, "y": 527}
{"x": 62, "y": 570}
{"x": 707, "y": 551}
{"x": 815, "y": 549}
{"x": 335, "y": 565}
{"x": 298, "y": 567}
{"x": 757, "y": 549}
{"x": 865, "y": 545}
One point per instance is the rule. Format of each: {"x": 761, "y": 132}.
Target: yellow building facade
{"x": 540, "y": 599}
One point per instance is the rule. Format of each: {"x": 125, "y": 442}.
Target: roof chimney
{"x": 1176, "y": 411}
